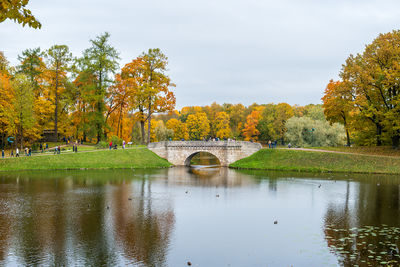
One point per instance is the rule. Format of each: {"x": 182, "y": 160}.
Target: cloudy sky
{"x": 227, "y": 51}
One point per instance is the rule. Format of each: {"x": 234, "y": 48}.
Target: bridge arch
{"x": 190, "y": 157}
{"x": 227, "y": 152}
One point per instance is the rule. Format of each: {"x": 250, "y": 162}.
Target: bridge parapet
{"x": 180, "y": 152}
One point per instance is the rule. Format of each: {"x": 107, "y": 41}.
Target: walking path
{"x": 338, "y": 152}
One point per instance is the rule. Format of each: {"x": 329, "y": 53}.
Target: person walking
{"x": 110, "y": 145}
{"x": 12, "y": 153}
{"x": 123, "y": 144}
{"x": 2, "y": 153}
{"x": 17, "y": 152}
{"x": 269, "y": 144}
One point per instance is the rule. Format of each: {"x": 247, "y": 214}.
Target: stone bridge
{"x": 181, "y": 152}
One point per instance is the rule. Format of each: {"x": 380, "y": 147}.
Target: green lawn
{"x": 284, "y": 159}
{"x": 368, "y": 150}
{"x": 102, "y": 159}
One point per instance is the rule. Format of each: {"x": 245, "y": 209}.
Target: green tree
{"x": 23, "y": 106}
{"x": 101, "y": 59}
{"x": 31, "y": 64}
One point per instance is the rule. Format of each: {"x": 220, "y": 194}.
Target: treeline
{"x": 283, "y": 123}
{"x": 86, "y": 97}
{"x": 366, "y": 99}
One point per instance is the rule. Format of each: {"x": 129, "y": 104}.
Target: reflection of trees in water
{"x": 142, "y": 227}
{"x": 62, "y": 221}
{"x": 365, "y": 230}
{"x": 207, "y": 177}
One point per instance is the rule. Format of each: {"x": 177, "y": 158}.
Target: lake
{"x": 206, "y": 216}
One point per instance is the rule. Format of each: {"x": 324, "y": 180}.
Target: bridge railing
{"x": 222, "y": 144}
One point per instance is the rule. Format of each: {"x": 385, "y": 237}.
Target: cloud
{"x": 225, "y": 50}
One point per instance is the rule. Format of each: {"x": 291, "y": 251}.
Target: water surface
{"x": 208, "y": 216}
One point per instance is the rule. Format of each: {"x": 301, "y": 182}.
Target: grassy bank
{"x": 290, "y": 160}
{"x": 367, "y": 150}
{"x": 104, "y": 159}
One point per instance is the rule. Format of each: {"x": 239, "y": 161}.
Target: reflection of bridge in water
{"x": 181, "y": 152}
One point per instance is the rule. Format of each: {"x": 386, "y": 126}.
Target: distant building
{"x": 49, "y": 136}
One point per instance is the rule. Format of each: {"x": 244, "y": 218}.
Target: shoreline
{"x": 318, "y": 162}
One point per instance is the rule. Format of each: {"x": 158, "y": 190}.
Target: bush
{"x": 305, "y": 131}
{"x": 116, "y": 140}
{"x": 102, "y": 144}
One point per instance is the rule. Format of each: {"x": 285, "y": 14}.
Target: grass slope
{"x": 281, "y": 159}
{"x": 104, "y": 159}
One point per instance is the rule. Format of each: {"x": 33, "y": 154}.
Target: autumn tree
{"x": 338, "y": 104}
{"x": 373, "y": 78}
{"x": 16, "y": 10}
{"x": 179, "y": 129}
{"x": 157, "y": 86}
{"x": 133, "y": 78}
{"x": 222, "y": 127}
{"x": 250, "y": 131}
{"x": 6, "y": 106}
{"x": 101, "y": 59}
{"x": 59, "y": 58}
{"x": 198, "y": 126}
{"x": 212, "y": 112}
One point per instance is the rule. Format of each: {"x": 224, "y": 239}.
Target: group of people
{"x": 115, "y": 145}
{"x": 68, "y": 140}
{"x": 28, "y": 152}
{"x": 272, "y": 144}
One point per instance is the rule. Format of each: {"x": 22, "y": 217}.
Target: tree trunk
{"x": 142, "y": 130}
{"x": 396, "y": 140}
{"x": 149, "y": 124}
{"x": 22, "y": 137}
{"x": 348, "y": 137}
{"x": 378, "y": 134}
{"x": 347, "y": 131}
{"x": 56, "y": 108}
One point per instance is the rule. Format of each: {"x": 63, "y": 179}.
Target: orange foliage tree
{"x": 250, "y": 131}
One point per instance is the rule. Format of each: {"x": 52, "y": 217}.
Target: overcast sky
{"x": 226, "y": 51}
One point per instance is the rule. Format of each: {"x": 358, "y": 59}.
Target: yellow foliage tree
{"x": 222, "y": 125}
{"x": 198, "y": 126}
{"x": 179, "y": 128}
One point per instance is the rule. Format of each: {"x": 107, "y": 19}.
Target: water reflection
{"x": 90, "y": 218}
{"x": 170, "y": 216}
